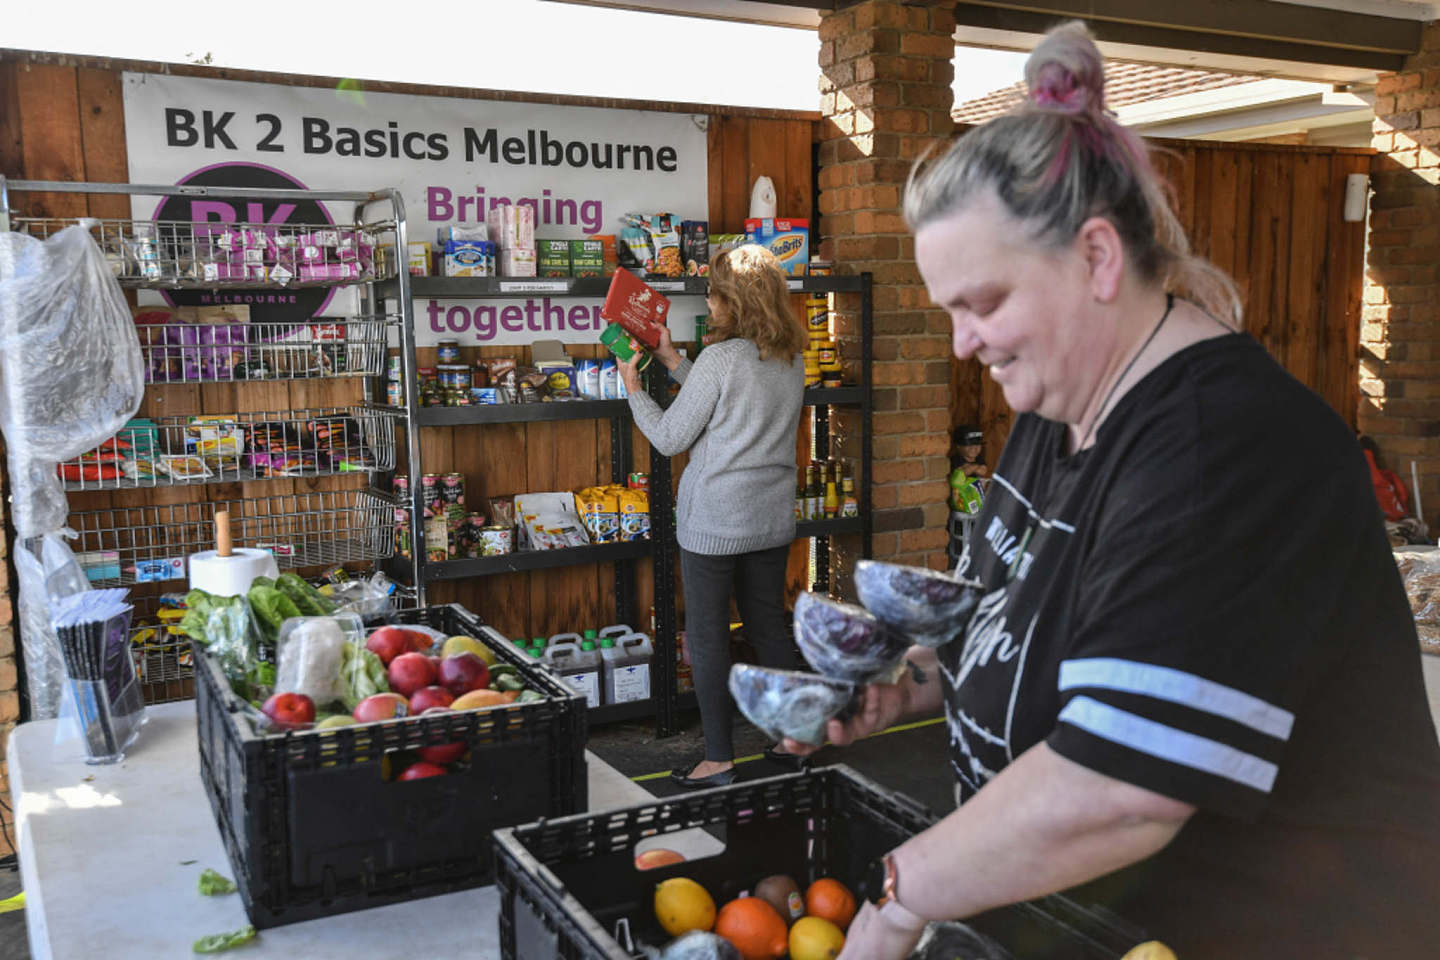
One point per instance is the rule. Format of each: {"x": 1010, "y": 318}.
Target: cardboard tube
{"x": 222, "y": 533}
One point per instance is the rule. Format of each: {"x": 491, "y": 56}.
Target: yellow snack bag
{"x": 634, "y": 514}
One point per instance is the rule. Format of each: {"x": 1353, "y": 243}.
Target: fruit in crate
{"x": 455, "y": 645}
{"x": 421, "y": 770}
{"x": 699, "y": 945}
{"x": 682, "y": 905}
{"x": 443, "y": 754}
{"x": 1149, "y": 950}
{"x": 928, "y": 606}
{"x": 757, "y": 931}
{"x": 831, "y": 900}
{"x": 463, "y": 672}
{"x": 481, "y": 698}
{"x": 409, "y": 672}
{"x": 847, "y": 642}
{"x": 382, "y": 706}
{"x": 335, "y": 720}
{"x": 815, "y": 938}
{"x": 657, "y": 857}
{"x": 427, "y": 698}
{"x": 789, "y": 703}
{"x": 289, "y": 710}
{"x": 387, "y": 643}
{"x": 782, "y": 893}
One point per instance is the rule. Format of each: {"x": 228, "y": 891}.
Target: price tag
{"x": 534, "y": 286}
{"x": 795, "y": 284}
{"x": 668, "y": 286}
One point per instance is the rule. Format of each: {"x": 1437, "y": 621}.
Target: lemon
{"x": 815, "y": 938}
{"x": 681, "y": 904}
{"x": 1150, "y": 950}
{"x": 454, "y": 645}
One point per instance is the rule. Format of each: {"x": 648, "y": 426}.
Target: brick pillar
{"x": 886, "y": 70}
{"x": 9, "y": 693}
{"x": 1400, "y": 331}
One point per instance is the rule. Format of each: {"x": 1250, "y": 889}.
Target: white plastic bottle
{"x": 578, "y": 668}
{"x": 626, "y": 662}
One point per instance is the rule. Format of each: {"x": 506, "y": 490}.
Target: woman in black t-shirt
{"x": 1191, "y": 690}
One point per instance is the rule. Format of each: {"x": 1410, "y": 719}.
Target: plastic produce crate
{"x": 566, "y": 885}
{"x": 313, "y": 829}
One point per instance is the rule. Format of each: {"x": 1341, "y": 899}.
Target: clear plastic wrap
{"x": 1420, "y": 568}
{"x": 71, "y": 372}
{"x": 71, "y": 375}
{"x": 312, "y": 656}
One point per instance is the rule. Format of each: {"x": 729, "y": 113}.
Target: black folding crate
{"x": 313, "y": 828}
{"x": 567, "y": 886}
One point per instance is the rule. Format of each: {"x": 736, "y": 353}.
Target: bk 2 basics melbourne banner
{"x": 452, "y": 159}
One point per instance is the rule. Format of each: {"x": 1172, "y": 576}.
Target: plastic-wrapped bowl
{"x": 789, "y": 703}
{"x": 846, "y": 642}
{"x": 928, "y": 606}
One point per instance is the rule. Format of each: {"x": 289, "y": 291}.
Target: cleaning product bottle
{"x": 571, "y": 637}
{"x": 581, "y": 672}
{"x": 590, "y": 657}
{"x": 616, "y": 630}
{"x": 627, "y": 667}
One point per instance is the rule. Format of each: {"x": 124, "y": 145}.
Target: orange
{"x": 754, "y": 928}
{"x": 831, "y": 900}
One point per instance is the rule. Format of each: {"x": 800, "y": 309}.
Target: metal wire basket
{"x": 125, "y": 545}
{"x": 234, "y": 350}
{"x": 259, "y": 445}
{"x": 153, "y": 254}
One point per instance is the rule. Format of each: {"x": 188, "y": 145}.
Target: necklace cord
{"x": 1105, "y": 404}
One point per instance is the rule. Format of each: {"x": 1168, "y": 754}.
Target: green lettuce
{"x": 212, "y": 884}
{"x": 224, "y": 941}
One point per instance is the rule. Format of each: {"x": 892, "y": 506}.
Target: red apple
{"x": 462, "y": 673}
{"x": 289, "y": 710}
{"x": 409, "y": 672}
{"x": 657, "y": 857}
{"x": 444, "y": 753}
{"x": 382, "y": 706}
{"x": 427, "y": 697}
{"x": 418, "y": 771}
{"x": 387, "y": 643}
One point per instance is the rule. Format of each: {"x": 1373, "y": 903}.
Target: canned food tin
{"x": 430, "y": 489}
{"x": 395, "y": 393}
{"x": 395, "y": 367}
{"x": 452, "y": 488}
{"x": 448, "y": 351}
{"x": 495, "y": 541}
{"x": 638, "y": 481}
{"x": 401, "y": 484}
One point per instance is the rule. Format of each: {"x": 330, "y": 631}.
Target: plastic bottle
{"x": 578, "y": 669}
{"x": 563, "y": 638}
{"x": 832, "y": 500}
{"x": 627, "y": 667}
{"x": 617, "y": 630}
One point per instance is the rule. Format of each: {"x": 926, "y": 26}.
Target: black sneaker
{"x": 722, "y": 779}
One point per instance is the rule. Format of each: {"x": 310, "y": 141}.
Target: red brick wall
{"x": 1400, "y": 332}
{"x": 885, "y": 97}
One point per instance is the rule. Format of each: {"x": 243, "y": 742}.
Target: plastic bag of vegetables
{"x": 362, "y": 674}
{"x": 236, "y": 641}
{"x": 311, "y": 653}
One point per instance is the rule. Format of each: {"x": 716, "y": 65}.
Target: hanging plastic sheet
{"x": 71, "y": 375}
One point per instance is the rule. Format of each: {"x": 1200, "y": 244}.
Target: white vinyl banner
{"x": 581, "y": 168}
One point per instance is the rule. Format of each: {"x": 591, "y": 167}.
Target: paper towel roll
{"x": 230, "y": 576}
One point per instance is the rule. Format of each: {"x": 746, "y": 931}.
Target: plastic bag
{"x": 71, "y": 372}
{"x": 312, "y": 655}
{"x": 47, "y": 571}
{"x": 369, "y": 598}
{"x": 237, "y": 642}
{"x": 1420, "y": 569}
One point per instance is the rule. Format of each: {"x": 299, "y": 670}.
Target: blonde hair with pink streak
{"x": 1059, "y": 159}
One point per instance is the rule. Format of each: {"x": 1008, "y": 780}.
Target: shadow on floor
{"x": 14, "y": 944}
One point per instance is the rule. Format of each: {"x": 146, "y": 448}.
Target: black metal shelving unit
{"x": 665, "y": 701}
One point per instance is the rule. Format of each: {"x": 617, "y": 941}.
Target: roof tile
{"x": 1125, "y": 83}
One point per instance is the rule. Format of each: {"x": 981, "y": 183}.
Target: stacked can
{"x": 395, "y": 381}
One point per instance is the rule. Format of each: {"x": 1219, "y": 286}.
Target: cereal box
{"x": 787, "y": 238}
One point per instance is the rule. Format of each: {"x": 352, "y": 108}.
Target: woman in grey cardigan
{"x": 738, "y": 413}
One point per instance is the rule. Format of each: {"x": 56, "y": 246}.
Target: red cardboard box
{"x": 637, "y": 307}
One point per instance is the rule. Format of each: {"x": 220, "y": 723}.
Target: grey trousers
{"x": 758, "y": 582}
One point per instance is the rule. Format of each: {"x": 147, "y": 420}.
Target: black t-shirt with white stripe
{"x": 1205, "y": 604}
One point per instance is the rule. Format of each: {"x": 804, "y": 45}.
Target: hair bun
{"x": 1066, "y": 72}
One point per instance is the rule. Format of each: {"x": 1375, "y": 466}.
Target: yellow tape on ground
{"x": 898, "y": 728}
{"x": 16, "y": 902}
